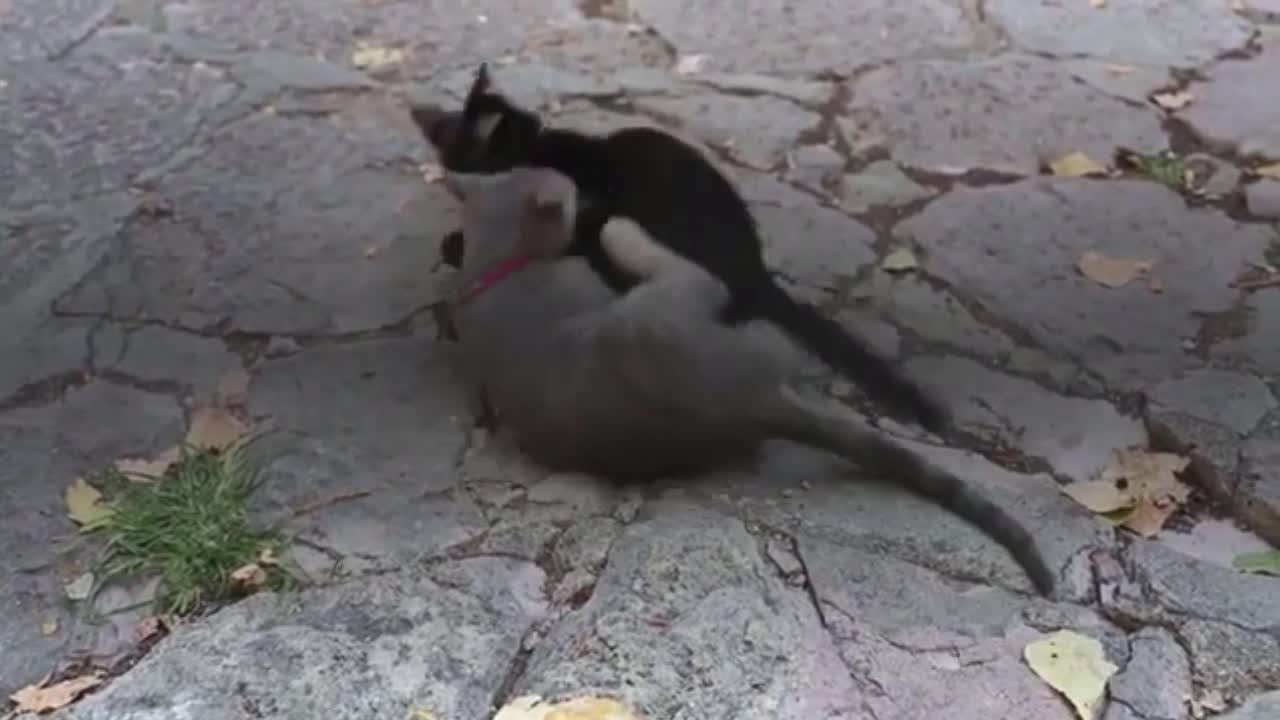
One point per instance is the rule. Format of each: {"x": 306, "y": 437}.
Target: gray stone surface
{"x": 436, "y": 641}
{"x": 1014, "y": 248}
{"x": 1075, "y": 436}
{"x": 1227, "y": 114}
{"x": 1261, "y": 707}
{"x": 1176, "y": 34}
{"x": 197, "y": 186}
{"x": 1012, "y": 113}
{"x": 1263, "y": 198}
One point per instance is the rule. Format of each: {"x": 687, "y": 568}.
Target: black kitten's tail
{"x": 837, "y": 430}
{"x": 849, "y": 356}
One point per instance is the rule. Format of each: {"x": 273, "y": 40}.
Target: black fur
{"x": 682, "y": 201}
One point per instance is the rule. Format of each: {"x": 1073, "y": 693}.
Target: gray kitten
{"x": 648, "y": 384}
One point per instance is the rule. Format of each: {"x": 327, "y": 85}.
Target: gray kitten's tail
{"x": 818, "y": 425}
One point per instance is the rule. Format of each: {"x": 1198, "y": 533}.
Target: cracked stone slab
{"x": 48, "y": 349}
{"x": 1233, "y": 400}
{"x": 44, "y": 30}
{"x": 286, "y": 224}
{"x": 1174, "y": 34}
{"x": 45, "y": 448}
{"x": 922, "y": 646}
{"x": 689, "y": 619}
{"x": 880, "y": 184}
{"x": 1256, "y": 349}
{"x": 155, "y": 353}
{"x": 1263, "y": 198}
{"x": 1257, "y": 496}
{"x": 1260, "y": 707}
{"x": 121, "y": 111}
{"x": 440, "y": 641}
{"x": 1134, "y": 83}
{"x": 382, "y": 417}
{"x": 1227, "y": 113}
{"x": 812, "y": 37}
{"x": 1156, "y": 682}
{"x": 1010, "y": 114}
{"x": 423, "y": 32}
{"x": 1013, "y": 248}
{"x": 756, "y": 131}
{"x": 1076, "y": 436}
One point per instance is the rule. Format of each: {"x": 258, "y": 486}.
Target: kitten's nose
{"x": 438, "y": 126}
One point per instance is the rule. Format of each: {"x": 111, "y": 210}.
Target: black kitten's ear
{"x": 481, "y": 84}
{"x": 439, "y": 127}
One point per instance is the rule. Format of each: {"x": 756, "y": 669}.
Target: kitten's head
{"x": 527, "y": 211}
{"x": 489, "y": 135}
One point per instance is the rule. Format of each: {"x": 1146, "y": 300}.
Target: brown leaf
{"x": 1120, "y": 69}
{"x": 248, "y": 578}
{"x": 146, "y": 470}
{"x": 84, "y": 504}
{"x": 1076, "y": 164}
{"x": 1173, "y": 100}
{"x": 149, "y": 628}
{"x": 1155, "y": 284}
{"x": 268, "y": 558}
{"x": 1097, "y": 3}
{"x": 214, "y": 427}
{"x": 233, "y": 389}
{"x": 1268, "y": 171}
{"x": 1111, "y": 272}
{"x": 1100, "y": 496}
{"x": 37, "y": 699}
{"x": 1139, "y": 490}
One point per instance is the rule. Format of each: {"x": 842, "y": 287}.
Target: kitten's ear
{"x": 484, "y": 126}
{"x": 438, "y": 126}
{"x": 550, "y": 210}
{"x": 481, "y": 84}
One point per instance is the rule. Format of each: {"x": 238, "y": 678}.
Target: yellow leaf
{"x": 899, "y": 260}
{"x": 37, "y": 699}
{"x": 214, "y": 427}
{"x": 533, "y": 707}
{"x": 1074, "y": 665}
{"x": 80, "y": 588}
{"x": 249, "y": 578}
{"x": 49, "y": 627}
{"x": 1111, "y": 272}
{"x": 1268, "y": 171}
{"x": 1097, "y": 3}
{"x": 1100, "y": 496}
{"x": 1138, "y": 490}
{"x": 1076, "y": 164}
{"x": 375, "y": 57}
{"x": 691, "y": 64}
{"x": 83, "y": 504}
{"x": 421, "y": 714}
{"x": 1173, "y": 100}
{"x": 142, "y": 469}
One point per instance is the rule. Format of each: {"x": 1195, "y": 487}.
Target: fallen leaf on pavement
{"x": 1111, "y": 272}
{"x": 149, "y": 628}
{"x": 1266, "y": 563}
{"x": 249, "y": 578}
{"x": 1074, "y": 665}
{"x": 1076, "y": 164}
{"x": 1139, "y": 490}
{"x": 900, "y": 260}
{"x": 1121, "y": 69}
{"x": 214, "y": 428}
{"x": 1268, "y": 171}
{"x": 1097, "y": 3}
{"x": 1237, "y": 5}
{"x": 1173, "y": 100}
{"x": 84, "y": 505}
{"x": 1211, "y": 702}
{"x": 49, "y": 627}
{"x": 233, "y": 389}
{"x": 80, "y": 588}
{"x": 691, "y": 64}
{"x": 146, "y": 470}
{"x": 421, "y": 714}
{"x": 374, "y": 57}
{"x": 43, "y": 699}
{"x": 268, "y": 558}
{"x": 533, "y": 707}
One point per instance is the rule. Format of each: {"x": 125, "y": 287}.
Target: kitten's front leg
{"x": 670, "y": 279}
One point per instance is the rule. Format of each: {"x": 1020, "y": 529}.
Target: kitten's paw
{"x": 634, "y": 250}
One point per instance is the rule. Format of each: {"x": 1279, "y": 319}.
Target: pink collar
{"x": 494, "y": 276}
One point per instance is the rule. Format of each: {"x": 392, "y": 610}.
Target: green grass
{"x": 1165, "y": 168}
{"x": 189, "y": 528}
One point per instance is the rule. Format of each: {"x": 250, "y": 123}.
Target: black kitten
{"x": 678, "y": 198}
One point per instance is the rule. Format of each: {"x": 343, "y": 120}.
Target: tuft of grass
{"x": 1163, "y": 167}
{"x": 189, "y": 528}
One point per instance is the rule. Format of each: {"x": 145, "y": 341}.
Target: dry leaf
{"x": 143, "y": 469}
{"x": 691, "y": 64}
{"x": 1209, "y": 702}
{"x": 1155, "y": 284}
{"x": 214, "y": 427}
{"x": 421, "y": 714}
{"x": 374, "y": 57}
{"x": 80, "y": 588}
{"x": 1268, "y": 171}
{"x": 533, "y": 707}
{"x": 248, "y": 578}
{"x": 1237, "y": 5}
{"x": 49, "y": 627}
{"x": 1074, "y": 665}
{"x": 268, "y": 558}
{"x": 1111, "y": 272}
{"x": 1076, "y": 164}
{"x": 37, "y": 699}
{"x": 1173, "y": 100}
{"x": 83, "y": 504}
{"x": 900, "y": 260}
{"x": 1097, "y": 3}
{"x": 150, "y": 628}
{"x": 1120, "y": 69}
{"x": 1138, "y": 490}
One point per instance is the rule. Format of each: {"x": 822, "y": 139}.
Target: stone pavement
{"x": 194, "y": 187}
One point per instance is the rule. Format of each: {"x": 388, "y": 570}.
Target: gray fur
{"x": 649, "y": 384}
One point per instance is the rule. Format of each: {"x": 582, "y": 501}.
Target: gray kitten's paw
{"x": 634, "y": 250}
